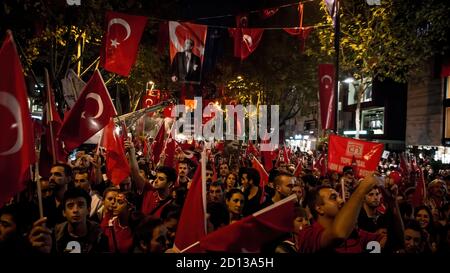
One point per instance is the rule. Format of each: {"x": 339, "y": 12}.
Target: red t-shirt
{"x": 123, "y": 236}
{"x": 309, "y": 241}
{"x": 151, "y": 200}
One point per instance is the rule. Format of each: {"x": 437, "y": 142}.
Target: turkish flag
{"x": 54, "y": 123}
{"x": 192, "y": 223}
{"x": 320, "y": 165}
{"x": 252, "y": 232}
{"x": 262, "y": 173}
{"x": 121, "y": 42}
{"x": 246, "y": 40}
{"x": 90, "y": 114}
{"x": 342, "y": 151}
{"x": 285, "y": 155}
{"x": 17, "y": 151}
{"x": 151, "y": 98}
{"x": 251, "y": 149}
{"x": 326, "y": 95}
{"x": 298, "y": 169}
{"x": 167, "y": 112}
{"x": 116, "y": 162}
{"x": 420, "y": 194}
{"x": 405, "y": 167}
{"x": 169, "y": 151}
{"x": 158, "y": 143}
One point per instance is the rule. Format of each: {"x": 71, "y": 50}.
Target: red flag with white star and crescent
{"x": 121, "y": 42}
{"x": 326, "y": 95}
{"x": 16, "y": 141}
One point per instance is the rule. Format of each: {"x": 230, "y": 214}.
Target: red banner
{"x": 342, "y": 151}
{"x": 326, "y": 94}
{"x": 121, "y": 42}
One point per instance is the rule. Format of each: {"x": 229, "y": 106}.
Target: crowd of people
{"x": 84, "y": 212}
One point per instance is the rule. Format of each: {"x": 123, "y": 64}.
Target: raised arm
{"x": 134, "y": 167}
{"x": 346, "y": 219}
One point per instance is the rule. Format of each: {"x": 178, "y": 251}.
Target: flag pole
{"x": 337, "y": 29}
{"x": 189, "y": 247}
{"x": 39, "y": 190}
{"x": 203, "y": 164}
{"x": 50, "y": 114}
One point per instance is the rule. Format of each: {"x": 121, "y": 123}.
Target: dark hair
{"x": 282, "y": 173}
{"x": 67, "y": 168}
{"x": 75, "y": 193}
{"x": 300, "y": 212}
{"x": 183, "y": 161}
{"x": 169, "y": 172}
{"x": 144, "y": 230}
{"x": 218, "y": 214}
{"x": 347, "y": 169}
{"x": 14, "y": 211}
{"x": 310, "y": 180}
{"x": 131, "y": 198}
{"x": 414, "y": 225}
{"x": 209, "y": 167}
{"x": 230, "y": 193}
{"x": 216, "y": 184}
{"x": 144, "y": 167}
{"x": 170, "y": 211}
{"x": 430, "y": 214}
{"x": 80, "y": 171}
{"x": 273, "y": 173}
{"x": 252, "y": 174}
{"x": 313, "y": 199}
{"x": 110, "y": 189}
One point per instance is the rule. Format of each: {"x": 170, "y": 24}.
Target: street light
{"x": 151, "y": 83}
{"x": 349, "y": 80}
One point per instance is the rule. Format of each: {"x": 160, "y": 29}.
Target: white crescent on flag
{"x": 11, "y": 103}
{"x": 326, "y": 77}
{"x": 173, "y": 36}
{"x": 119, "y": 21}
{"x": 123, "y": 23}
{"x": 247, "y": 40}
{"x": 97, "y": 98}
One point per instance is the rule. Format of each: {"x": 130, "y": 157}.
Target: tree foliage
{"x": 388, "y": 41}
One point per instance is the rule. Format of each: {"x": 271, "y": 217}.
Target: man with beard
{"x": 224, "y": 170}
{"x": 60, "y": 177}
{"x": 370, "y": 215}
{"x": 76, "y": 234}
{"x": 334, "y": 228}
{"x": 284, "y": 182}
{"x": 383, "y": 217}
{"x": 183, "y": 170}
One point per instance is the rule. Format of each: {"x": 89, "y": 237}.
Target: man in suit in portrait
{"x": 186, "y": 66}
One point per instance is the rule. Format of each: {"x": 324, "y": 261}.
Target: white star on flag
{"x": 114, "y": 43}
